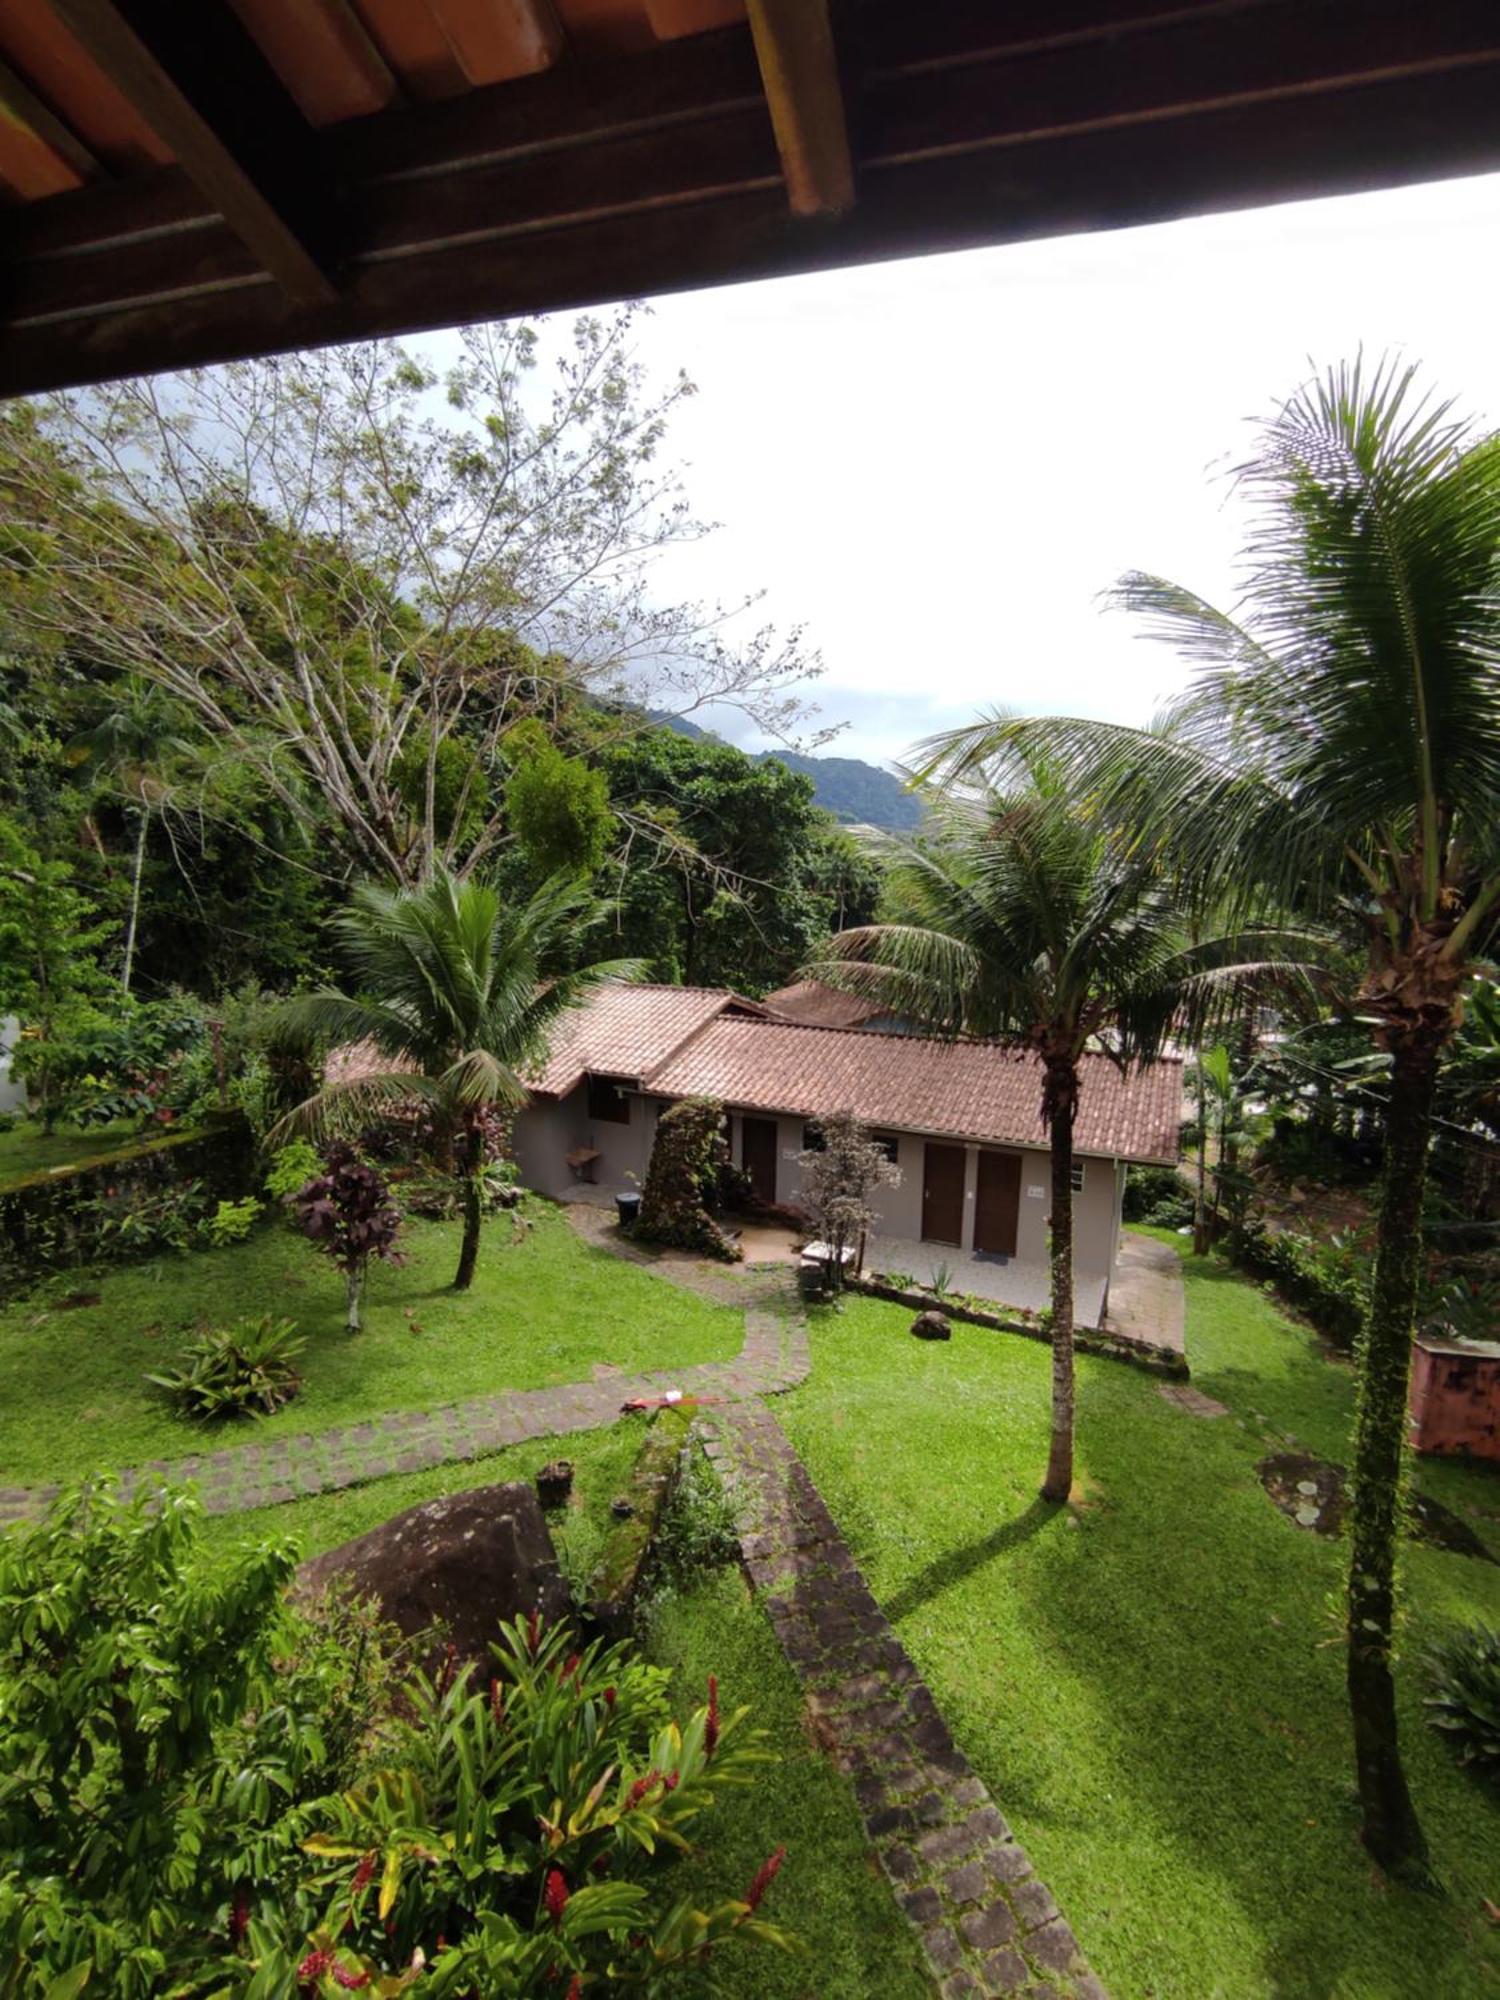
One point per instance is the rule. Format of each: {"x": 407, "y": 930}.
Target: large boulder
{"x": 466, "y": 1562}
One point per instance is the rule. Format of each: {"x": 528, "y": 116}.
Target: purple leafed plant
{"x": 348, "y": 1212}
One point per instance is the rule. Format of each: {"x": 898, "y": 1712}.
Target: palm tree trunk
{"x": 468, "y": 1256}
{"x": 1390, "y": 1827}
{"x": 135, "y": 898}
{"x": 1200, "y": 1206}
{"x": 1062, "y": 1090}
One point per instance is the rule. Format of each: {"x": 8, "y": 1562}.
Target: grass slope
{"x": 543, "y": 1309}
{"x": 1151, "y": 1680}
{"x": 829, "y": 1891}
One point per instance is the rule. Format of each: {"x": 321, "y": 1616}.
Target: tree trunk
{"x": 1200, "y": 1205}
{"x": 135, "y": 898}
{"x": 1390, "y": 1828}
{"x": 1062, "y": 1094}
{"x": 354, "y": 1291}
{"x": 468, "y": 1257}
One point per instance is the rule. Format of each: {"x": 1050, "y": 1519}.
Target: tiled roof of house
{"x": 627, "y": 1031}
{"x": 964, "y": 1090}
{"x": 809, "y": 1000}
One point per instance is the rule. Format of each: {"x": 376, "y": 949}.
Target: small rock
{"x": 1306, "y": 1517}
{"x": 1309, "y": 1487}
{"x": 931, "y": 1326}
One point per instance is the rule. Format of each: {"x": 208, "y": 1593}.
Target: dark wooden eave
{"x": 911, "y": 128}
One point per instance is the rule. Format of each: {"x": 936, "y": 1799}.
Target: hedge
{"x": 1324, "y": 1285}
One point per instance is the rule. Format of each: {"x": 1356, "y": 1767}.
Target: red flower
{"x": 555, "y": 1897}
{"x": 670, "y": 1782}
{"x": 497, "y": 1701}
{"x": 711, "y": 1727}
{"x": 570, "y": 1666}
{"x": 312, "y": 1968}
{"x": 533, "y": 1632}
{"x": 769, "y": 1870}
{"x": 445, "y": 1673}
{"x": 609, "y": 1697}
{"x": 575, "y": 1988}
{"x": 363, "y": 1872}
{"x": 350, "y": 1981}
{"x": 640, "y": 1788}
{"x": 239, "y": 1916}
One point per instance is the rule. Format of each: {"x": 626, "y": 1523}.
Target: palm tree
{"x": 1339, "y": 751}
{"x": 454, "y": 994}
{"x": 1027, "y": 920}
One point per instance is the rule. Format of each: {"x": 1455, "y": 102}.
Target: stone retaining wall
{"x": 1159, "y": 1360}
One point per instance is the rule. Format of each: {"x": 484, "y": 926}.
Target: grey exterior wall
{"x": 548, "y": 1130}
{"x": 551, "y": 1128}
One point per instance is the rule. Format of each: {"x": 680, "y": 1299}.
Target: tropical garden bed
{"x": 545, "y": 1308}
{"x": 828, "y": 1892}
{"x": 1151, "y": 1679}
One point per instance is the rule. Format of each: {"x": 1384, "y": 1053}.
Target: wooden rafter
{"x": 204, "y": 87}
{"x": 799, "y": 64}
{"x": 21, "y": 101}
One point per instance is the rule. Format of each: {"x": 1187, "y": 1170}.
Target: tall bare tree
{"x": 358, "y": 574}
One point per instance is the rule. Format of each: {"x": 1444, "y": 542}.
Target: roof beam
{"x": 204, "y": 87}
{"x": 800, "y": 70}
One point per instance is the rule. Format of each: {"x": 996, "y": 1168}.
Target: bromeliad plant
{"x": 245, "y": 1370}
{"x": 509, "y": 1841}
{"x": 1463, "y": 1702}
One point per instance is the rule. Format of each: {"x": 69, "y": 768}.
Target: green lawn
{"x": 544, "y": 1308}
{"x": 830, "y": 1891}
{"x": 25, "y": 1150}
{"x": 1151, "y": 1681}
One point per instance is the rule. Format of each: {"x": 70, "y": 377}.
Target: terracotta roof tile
{"x": 965, "y": 1090}
{"x": 626, "y": 1031}
{"x": 808, "y": 1000}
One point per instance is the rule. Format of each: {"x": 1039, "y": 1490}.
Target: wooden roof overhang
{"x": 193, "y": 180}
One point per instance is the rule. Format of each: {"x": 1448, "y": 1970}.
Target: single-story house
{"x": 961, "y": 1121}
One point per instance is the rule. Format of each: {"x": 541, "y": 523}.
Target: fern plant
{"x": 245, "y": 1370}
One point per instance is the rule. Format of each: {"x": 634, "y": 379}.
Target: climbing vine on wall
{"x": 686, "y": 1157}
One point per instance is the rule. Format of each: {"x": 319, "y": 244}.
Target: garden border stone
{"x": 1158, "y": 1360}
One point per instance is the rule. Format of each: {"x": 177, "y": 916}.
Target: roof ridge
{"x": 1003, "y": 1045}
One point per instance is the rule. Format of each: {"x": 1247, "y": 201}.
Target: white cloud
{"x": 938, "y": 465}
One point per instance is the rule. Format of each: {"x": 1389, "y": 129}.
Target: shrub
{"x": 245, "y": 1370}
{"x": 516, "y": 1828}
{"x": 1156, "y": 1195}
{"x": 348, "y": 1212}
{"x": 292, "y": 1167}
{"x": 128, "y": 1221}
{"x": 232, "y": 1221}
{"x": 1326, "y": 1282}
{"x": 1464, "y": 1702}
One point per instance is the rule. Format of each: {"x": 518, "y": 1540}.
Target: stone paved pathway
{"x": 987, "y": 1924}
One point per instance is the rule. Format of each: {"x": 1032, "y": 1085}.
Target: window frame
{"x": 618, "y": 1101}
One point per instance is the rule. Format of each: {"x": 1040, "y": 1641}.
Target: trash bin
{"x": 627, "y": 1207}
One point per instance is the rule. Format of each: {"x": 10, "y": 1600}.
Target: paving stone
{"x": 988, "y": 1928}
{"x": 1053, "y": 1946}
{"x": 960, "y": 1985}
{"x": 967, "y": 1884}
{"x": 1033, "y": 1904}
{"x": 923, "y": 1906}
{"x": 1004, "y": 1971}
{"x": 942, "y": 1948}
{"x": 1008, "y": 1861}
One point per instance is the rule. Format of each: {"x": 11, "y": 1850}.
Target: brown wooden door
{"x": 758, "y": 1155}
{"x": 943, "y": 1194}
{"x": 997, "y": 1203}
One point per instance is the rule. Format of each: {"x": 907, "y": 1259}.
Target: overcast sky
{"x": 937, "y": 465}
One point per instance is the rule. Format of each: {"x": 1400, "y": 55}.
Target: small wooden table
{"x": 581, "y": 1160}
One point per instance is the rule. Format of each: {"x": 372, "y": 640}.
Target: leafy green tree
{"x": 453, "y": 994}
{"x": 557, "y": 807}
{"x": 49, "y": 970}
{"x": 1339, "y": 752}
{"x": 1026, "y": 919}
